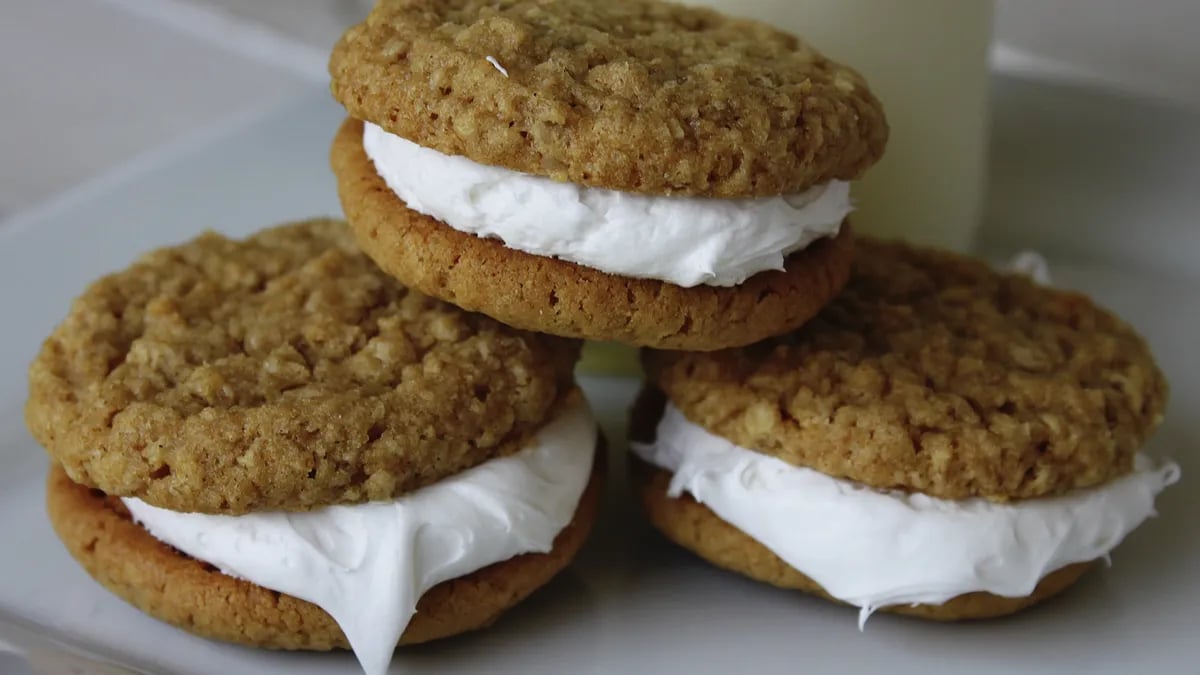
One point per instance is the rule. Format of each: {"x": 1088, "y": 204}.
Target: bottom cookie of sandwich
{"x": 193, "y": 595}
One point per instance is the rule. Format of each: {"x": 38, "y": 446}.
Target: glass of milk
{"x": 927, "y": 60}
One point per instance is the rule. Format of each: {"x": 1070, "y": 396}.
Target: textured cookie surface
{"x": 172, "y": 587}
{"x": 632, "y": 95}
{"x": 283, "y": 371}
{"x": 554, "y": 296}
{"x": 933, "y": 373}
{"x": 696, "y": 528}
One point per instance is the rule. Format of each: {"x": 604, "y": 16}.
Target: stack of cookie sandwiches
{"x": 347, "y": 435}
{"x": 942, "y": 440}
{"x": 631, "y": 171}
{"x": 273, "y": 443}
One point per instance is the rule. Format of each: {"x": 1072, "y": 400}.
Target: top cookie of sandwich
{"x": 933, "y": 373}
{"x": 633, "y": 95}
{"x": 284, "y": 371}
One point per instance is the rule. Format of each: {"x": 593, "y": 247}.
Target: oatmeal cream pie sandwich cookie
{"x": 631, "y": 171}
{"x": 272, "y": 442}
{"x": 942, "y": 440}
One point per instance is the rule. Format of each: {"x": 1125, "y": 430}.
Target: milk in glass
{"x": 927, "y": 61}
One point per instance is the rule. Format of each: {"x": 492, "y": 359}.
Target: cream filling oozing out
{"x": 873, "y": 548}
{"x": 686, "y": 241}
{"x": 367, "y": 565}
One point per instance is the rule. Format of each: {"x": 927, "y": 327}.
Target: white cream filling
{"x": 687, "y": 241}
{"x": 368, "y": 564}
{"x": 872, "y": 548}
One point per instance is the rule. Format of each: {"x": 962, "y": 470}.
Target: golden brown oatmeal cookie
{"x": 696, "y": 528}
{"x": 283, "y": 371}
{"x": 194, "y": 596}
{"x": 632, "y": 95}
{"x": 932, "y": 372}
{"x": 555, "y": 296}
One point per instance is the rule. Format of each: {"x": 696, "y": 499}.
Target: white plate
{"x": 631, "y": 603}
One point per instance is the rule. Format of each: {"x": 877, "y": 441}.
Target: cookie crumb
{"x": 492, "y": 60}
{"x": 1032, "y": 265}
